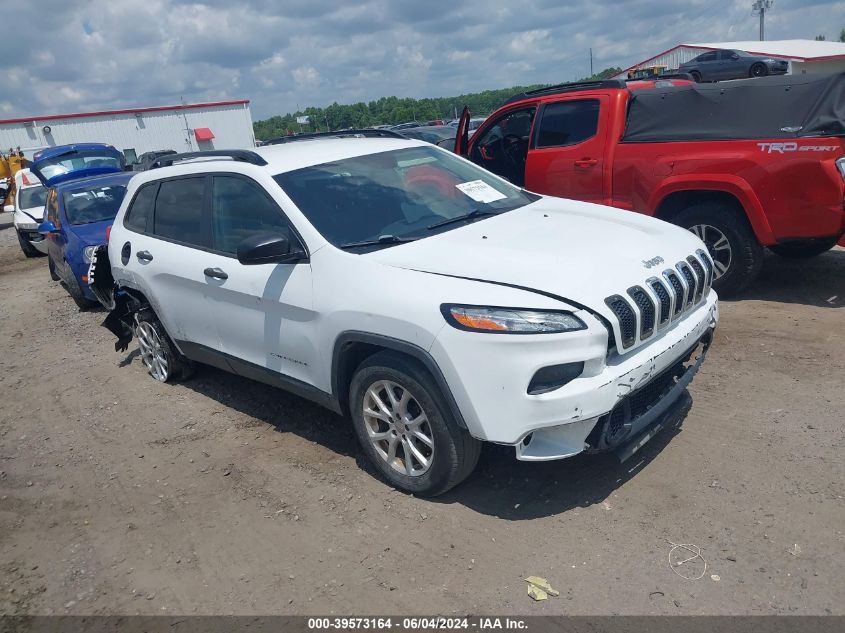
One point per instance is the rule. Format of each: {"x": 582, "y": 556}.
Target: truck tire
{"x": 28, "y": 249}
{"x": 158, "y": 353}
{"x": 406, "y": 428}
{"x": 804, "y": 250}
{"x": 737, "y": 255}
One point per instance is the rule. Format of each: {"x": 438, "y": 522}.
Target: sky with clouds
{"x": 66, "y": 55}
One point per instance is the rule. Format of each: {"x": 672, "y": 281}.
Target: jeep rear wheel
{"x": 161, "y": 358}
{"x": 737, "y": 255}
{"x": 405, "y": 427}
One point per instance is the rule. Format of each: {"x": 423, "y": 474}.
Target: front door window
{"x": 503, "y": 146}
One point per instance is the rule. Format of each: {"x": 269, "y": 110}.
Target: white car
{"x": 30, "y": 199}
{"x": 432, "y": 302}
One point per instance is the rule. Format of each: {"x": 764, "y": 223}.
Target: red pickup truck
{"x": 744, "y": 165}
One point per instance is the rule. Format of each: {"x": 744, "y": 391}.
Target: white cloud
{"x": 102, "y": 54}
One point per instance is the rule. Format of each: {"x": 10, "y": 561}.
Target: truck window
{"x": 568, "y": 123}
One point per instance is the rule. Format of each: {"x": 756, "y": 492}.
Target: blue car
{"x": 86, "y": 186}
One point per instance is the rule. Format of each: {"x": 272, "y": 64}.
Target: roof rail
{"x": 570, "y": 87}
{"x": 241, "y": 155}
{"x": 367, "y": 132}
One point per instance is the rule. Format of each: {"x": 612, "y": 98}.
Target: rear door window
{"x": 179, "y": 211}
{"x": 568, "y": 123}
{"x": 141, "y": 208}
{"x": 241, "y": 209}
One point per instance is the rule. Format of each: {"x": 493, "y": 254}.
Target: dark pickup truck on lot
{"x": 757, "y": 163}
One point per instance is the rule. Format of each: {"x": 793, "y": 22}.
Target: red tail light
{"x": 108, "y": 233}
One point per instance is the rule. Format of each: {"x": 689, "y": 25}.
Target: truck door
{"x": 567, "y": 153}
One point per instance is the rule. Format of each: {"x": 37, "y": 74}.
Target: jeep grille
{"x": 660, "y": 301}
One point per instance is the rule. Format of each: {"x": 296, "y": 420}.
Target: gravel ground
{"x": 120, "y": 495}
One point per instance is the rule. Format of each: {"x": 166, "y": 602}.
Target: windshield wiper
{"x": 475, "y": 213}
{"x": 382, "y": 240}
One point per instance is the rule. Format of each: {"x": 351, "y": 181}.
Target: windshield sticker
{"x": 480, "y": 191}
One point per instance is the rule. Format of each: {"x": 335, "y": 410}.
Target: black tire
{"x": 455, "y": 452}
{"x": 75, "y": 291}
{"x": 28, "y": 249}
{"x": 696, "y": 76}
{"x": 758, "y": 70}
{"x": 52, "y": 268}
{"x": 178, "y": 367}
{"x": 746, "y": 253}
{"x": 804, "y": 250}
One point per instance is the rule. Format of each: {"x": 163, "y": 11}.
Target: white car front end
{"x": 30, "y": 199}
{"x": 562, "y": 255}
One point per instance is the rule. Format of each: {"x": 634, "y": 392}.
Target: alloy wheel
{"x": 398, "y": 428}
{"x": 718, "y": 247}
{"x": 152, "y": 351}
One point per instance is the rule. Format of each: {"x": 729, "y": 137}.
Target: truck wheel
{"x": 737, "y": 255}
{"x": 158, "y": 354}
{"x": 804, "y": 250}
{"x": 405, "y": 426}
{"x": 28, "y": 249}
{"x": 52, "y": 268}
{"x": 758, "y": 70}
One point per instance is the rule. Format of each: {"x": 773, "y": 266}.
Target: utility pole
{"x": 759, "y": 8}
{"x": 591, "y": 61}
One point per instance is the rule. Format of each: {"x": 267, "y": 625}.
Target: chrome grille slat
{"x": 647, "y": 310}
{"x": 664, "y": 297}
{"x": 688, "y": 278}
{"x": 708, "y": 266}
{"x": 698, "y": 269}
{"x": 626, "y": 317}
{"x": 678, "y": 292}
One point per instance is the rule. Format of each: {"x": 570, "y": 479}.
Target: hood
{"x": 91, "y": 234}
{"x": 56, "y": 165}
{"x": 581, "y": 252}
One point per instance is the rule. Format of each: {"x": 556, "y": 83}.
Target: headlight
{"x": 88, "y": 253}
{"x": 511, "y": 320}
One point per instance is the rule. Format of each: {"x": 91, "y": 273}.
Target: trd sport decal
{"x": 782, "y": 148}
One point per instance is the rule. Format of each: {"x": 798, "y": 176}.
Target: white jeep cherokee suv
{"x": 432, "y": 302}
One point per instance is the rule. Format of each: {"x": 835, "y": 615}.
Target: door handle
{"x": 144, "y": 256}
{"x": 216, "y": 273}
{"x": 586, "y": 162}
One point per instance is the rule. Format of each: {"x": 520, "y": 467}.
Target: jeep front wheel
{"x": 737, "y": 255}
{"x": 406, "y": 428}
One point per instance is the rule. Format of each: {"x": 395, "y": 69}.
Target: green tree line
{"x": 393, "y": 110}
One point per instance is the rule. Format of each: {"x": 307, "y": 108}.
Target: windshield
{"x": 79, "y": 160}
{"x": 400, "y": 194}
{"x": 32, "y": 197}
{"x": 84, "y": 206}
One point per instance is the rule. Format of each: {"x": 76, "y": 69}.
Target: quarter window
{"x": 178, "y": 210}
{"x": 141, "y": 208}
{"x": 241, "y": 209}
{"x": 568, "y": 123}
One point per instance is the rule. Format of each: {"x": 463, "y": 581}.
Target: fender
{"x": 726, "y": 183}
{"x": 351, "y": 336}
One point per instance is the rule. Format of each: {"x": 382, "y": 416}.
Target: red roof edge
{"x": 79, "y": 115}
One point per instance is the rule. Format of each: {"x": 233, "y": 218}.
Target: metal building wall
{"x": 671, "y": 59}
{"x": 143, "y": 132}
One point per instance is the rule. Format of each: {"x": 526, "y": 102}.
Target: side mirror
{"x": 47, "y": 227}
{"x": 9, "y": 208}
{"x": 268, "y": 248}
{"x": 734, "y": 56}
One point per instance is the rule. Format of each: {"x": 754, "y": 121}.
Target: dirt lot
{"x": 120, "y": 495}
